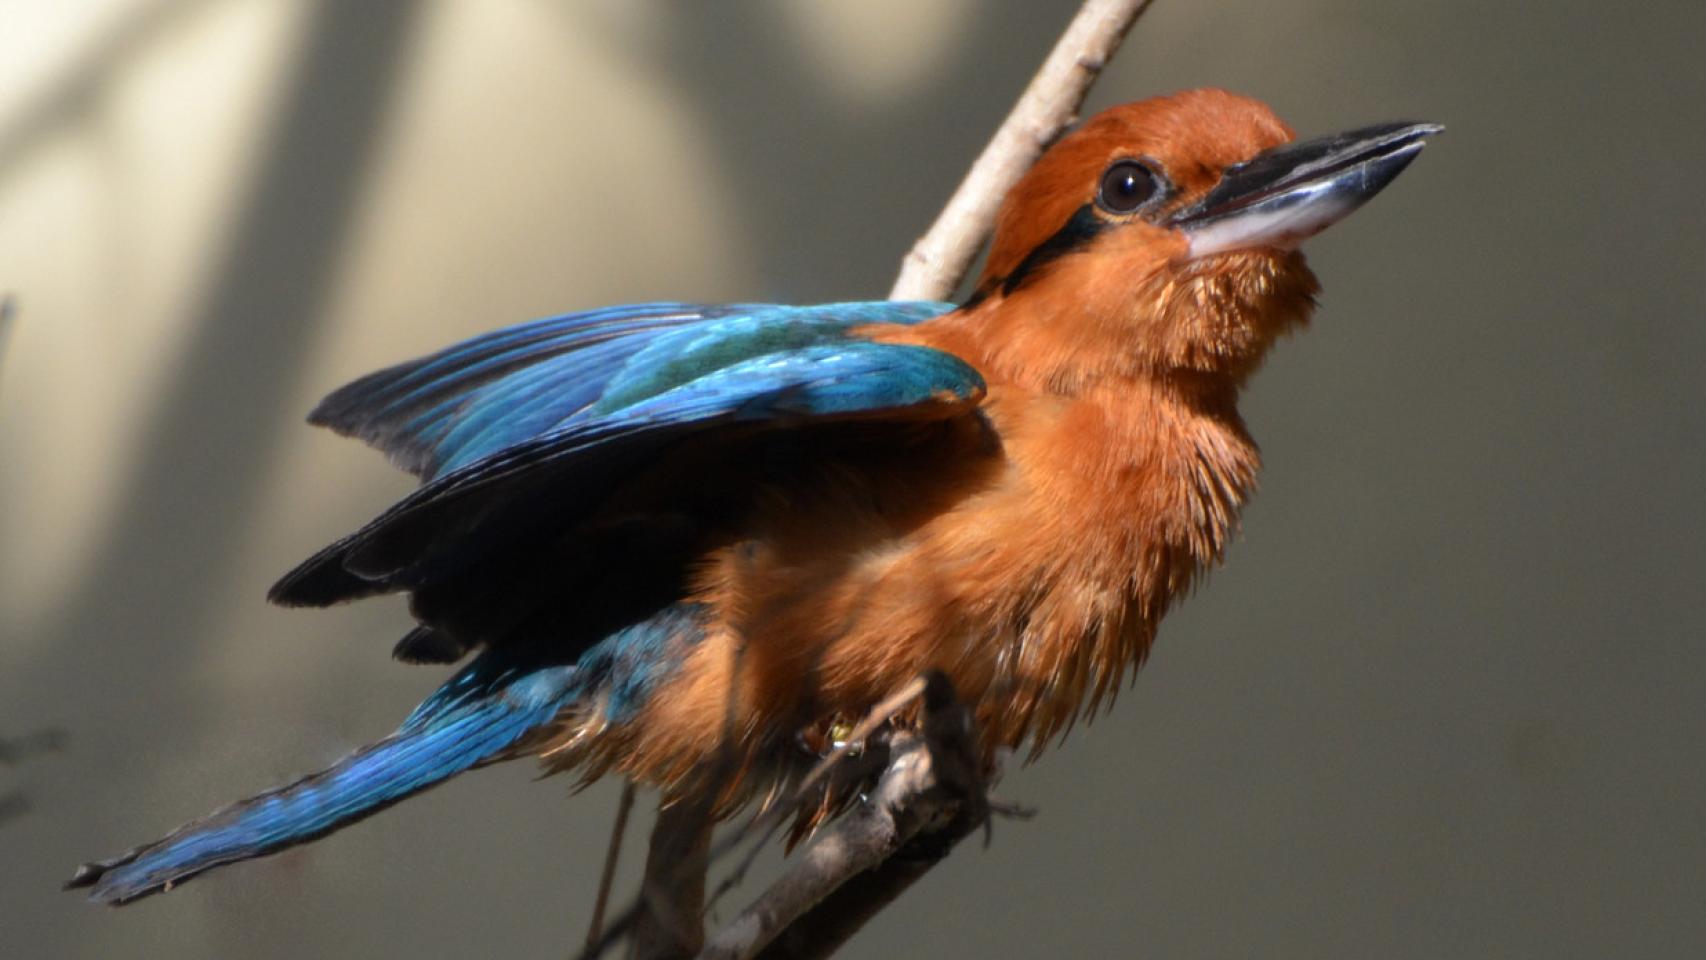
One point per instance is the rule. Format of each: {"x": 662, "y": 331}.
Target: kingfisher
{"x": 684, "y": 543}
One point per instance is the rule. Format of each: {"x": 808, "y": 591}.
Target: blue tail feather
{"x": 475, "y": 718}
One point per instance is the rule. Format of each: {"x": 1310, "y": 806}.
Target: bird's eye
{"x": 1126, "y": 186}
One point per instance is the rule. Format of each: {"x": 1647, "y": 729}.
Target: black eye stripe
{"x": 1074, "y": 235}
{"x": 1133, "y": 186}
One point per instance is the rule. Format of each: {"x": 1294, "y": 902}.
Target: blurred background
{"x": 1445, "y": 699}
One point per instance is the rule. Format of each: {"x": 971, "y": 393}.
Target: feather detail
{"x": 477, "y": 717}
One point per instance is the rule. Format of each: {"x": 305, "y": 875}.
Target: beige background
{"x": 1445, "y": 700}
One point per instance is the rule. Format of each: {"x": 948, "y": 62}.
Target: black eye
{"x": 1126, "y": 186}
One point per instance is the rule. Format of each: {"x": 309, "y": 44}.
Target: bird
{"x": 680, "y": 542}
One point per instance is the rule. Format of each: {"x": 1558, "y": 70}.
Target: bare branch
{"x": 930, "y": 789}
{"x": 940, "y": 258}
{"x": 769, "y": 821}
{"x": 858, "y": 841}
{"x": 597, "y": 942}
{"x": 669, "y": 921}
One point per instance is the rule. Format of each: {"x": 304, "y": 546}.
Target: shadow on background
{"x": 1442, "y": 701}
{"x": 249, "y": 342}
{"x": 95, "y": 71}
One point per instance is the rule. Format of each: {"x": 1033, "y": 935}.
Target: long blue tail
{"x": 475, "y": 718}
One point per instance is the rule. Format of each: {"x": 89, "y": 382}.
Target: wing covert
{"x": 490, "y": 482}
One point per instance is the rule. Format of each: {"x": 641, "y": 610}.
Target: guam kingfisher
{"x": 669, "y": 534}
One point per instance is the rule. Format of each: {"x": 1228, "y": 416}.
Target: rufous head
{"x": 1161, "y": 236}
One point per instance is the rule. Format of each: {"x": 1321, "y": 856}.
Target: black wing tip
{"x": 323, "y": 415}
{"x": 349, "y": 417}
{"x": 323, "y": 580}
{"x": 345, "y": 408}
{"x": 87, "y": 875}
{"x": 285, "y": 593}
{"x": 93, "y": 877}
{"x": 426, "y": 645}
{"x": 313, "y": 586}
{"x": 338, "y": 414}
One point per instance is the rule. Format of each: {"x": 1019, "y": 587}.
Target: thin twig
{"x": 940, "y": 258}
{"x": 772, "y": 819}
{"x": 737, "y": 876}
{"x": 607, "y": 878}
{"x": 931, "y": 784}
{"x": 882, "y": 713}
{"x": 949, "y": 814}
{"x": 619, "y": 927}
{"x": 669, "y": 919}
{"x": 860, "y": 840}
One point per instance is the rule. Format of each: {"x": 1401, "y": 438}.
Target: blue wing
{"x": 498, "y": 384}
{"x": 480, "y": 397}
{"x": 526, "y": 431}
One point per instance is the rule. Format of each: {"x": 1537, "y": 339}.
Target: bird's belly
{"x": 1032, "y": 571}
{"x": 806, "y": 633}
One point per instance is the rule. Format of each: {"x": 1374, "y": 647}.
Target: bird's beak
{"x": 1287, "y": 194}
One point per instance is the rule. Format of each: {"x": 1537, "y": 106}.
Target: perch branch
{"x": 937, "y": 262}
{"x": 669, "y": 922}
{"x": 770, "y": 820}
{"x": 883, "y": 712}
{"x": 930, "y": 796}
